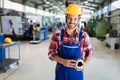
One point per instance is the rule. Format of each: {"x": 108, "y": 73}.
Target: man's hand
{"x": 65, "y": 62}
{"x": 69, "y": 62}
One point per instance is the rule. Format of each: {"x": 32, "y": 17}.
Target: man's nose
{"x": 72, "y": 21}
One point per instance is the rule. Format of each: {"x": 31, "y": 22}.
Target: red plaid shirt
{"x": 56, "y": 41}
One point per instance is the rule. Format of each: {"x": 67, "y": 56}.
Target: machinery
{"x": 36, "y": 34}
{"x": 92, "y": 27}
{"x": 12, "y": 25}
{"x": 101, "y": 29}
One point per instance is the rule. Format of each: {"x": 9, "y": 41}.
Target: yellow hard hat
{"x": 73, "y": 9}
{"x": 8, "y": 40}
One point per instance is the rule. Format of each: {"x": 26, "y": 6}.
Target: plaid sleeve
{"x": 53, "y": 47}
{"x": 87, "y": 47}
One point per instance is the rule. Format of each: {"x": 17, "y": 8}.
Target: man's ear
{"x": 79, "y": 18}
{"x": 66, "y": 18}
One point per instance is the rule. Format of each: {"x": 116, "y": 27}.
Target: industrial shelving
{"x": 7, "y": 62}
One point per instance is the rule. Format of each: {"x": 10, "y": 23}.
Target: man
{"x": 68, "y": 45}
{"x": 31, "y": 29}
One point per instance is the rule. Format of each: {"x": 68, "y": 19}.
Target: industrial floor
{"x": 35, "y": 65}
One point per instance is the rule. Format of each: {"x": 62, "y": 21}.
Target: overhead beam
{"x": 24, "y": 2}
{"x": 94, "y": 2}
{"x": 57, "y": 4}
{"x": 95, "y": 7}
{"x": 85, "y": 7}
{"x": 91, "y": 6}
{"x": 37, "y": 3}
{"x": 48, "y": 7}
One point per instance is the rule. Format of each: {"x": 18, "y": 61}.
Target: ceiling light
{"x": 55, "y": 6}
{"x": 86, "y": 2}
{"x": 47, "y": 2}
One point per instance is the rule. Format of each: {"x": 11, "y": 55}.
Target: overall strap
{"x": 80, "y": 35}
{"x": 80, "y": 38}
{"x": 62, "y": 34}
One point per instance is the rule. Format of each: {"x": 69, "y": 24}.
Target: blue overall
{"x": 69, "y": 51}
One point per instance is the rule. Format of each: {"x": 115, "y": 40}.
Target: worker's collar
{"x": 77, "y": 30}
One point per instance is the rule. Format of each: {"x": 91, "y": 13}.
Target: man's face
{"x": 72, "y": 21}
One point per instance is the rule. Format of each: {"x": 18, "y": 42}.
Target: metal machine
{"x": 12, "y": 25}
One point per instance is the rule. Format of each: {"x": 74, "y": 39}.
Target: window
{"x": 13, "y": 5}
{"x": 16, "y": 6}
{"x": 30, "y": 10}
{"x": 115, "y": 5}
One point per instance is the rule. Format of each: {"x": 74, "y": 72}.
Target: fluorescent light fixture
{"x": 55, "y": 6}
{"x": 47, "y": 2}
{"x": 86, "y": 2}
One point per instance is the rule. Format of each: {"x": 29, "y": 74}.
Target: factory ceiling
{"x": 58, "y": 6}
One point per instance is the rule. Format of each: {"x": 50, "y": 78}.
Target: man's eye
{"x": 75, "y": 19}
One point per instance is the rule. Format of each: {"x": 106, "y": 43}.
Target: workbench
{"x": 112, "y": 41}
{"x": 7, "y": 62}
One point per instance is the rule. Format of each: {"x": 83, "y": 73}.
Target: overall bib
{"x": 69, "y": 51}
